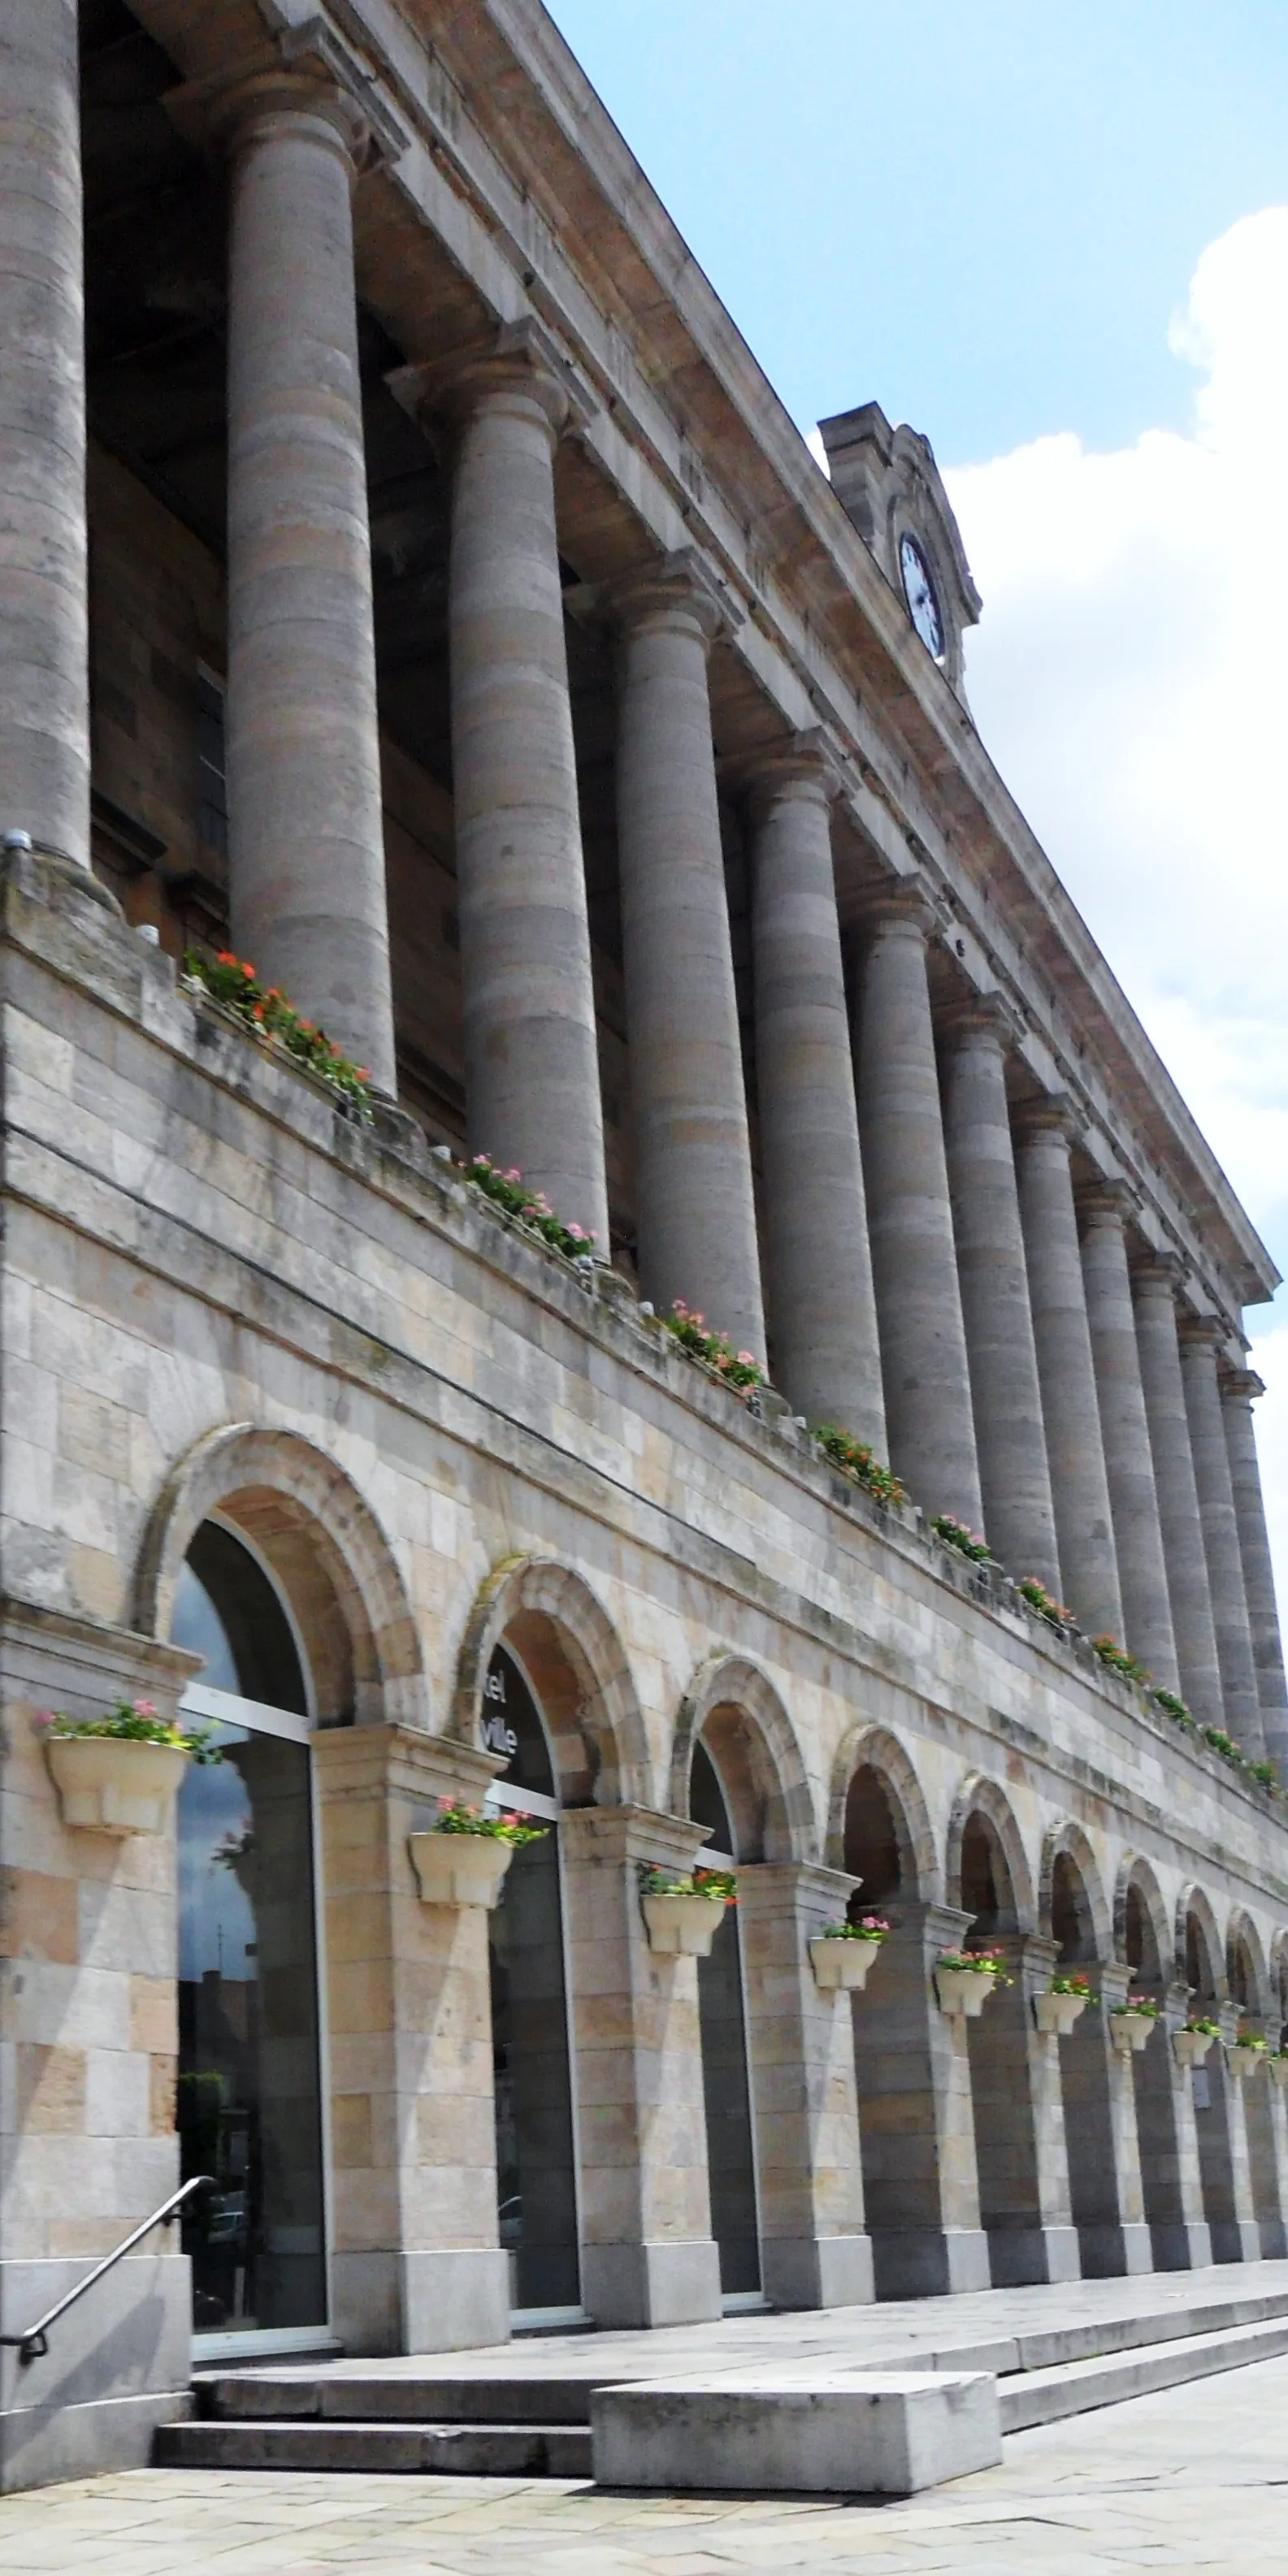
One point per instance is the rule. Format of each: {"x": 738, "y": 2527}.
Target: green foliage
{"x": 1069, "y": 1981}
{"x": 856, "y": 1460}
{"x": 454, "y": 1817}
{"x": 1116, "y": 1659}
{"x": 133, "y": 1721}
{"x": 694, "y": 1335}
{"x": 510, "y": 1191}
{"x": 969, "y": 1543}
{"x": 870, "y": 1927}
{"x": 267, "y": 1014}
{"x": 719, "y": 1886}
{"x": 1174, "y": 1708}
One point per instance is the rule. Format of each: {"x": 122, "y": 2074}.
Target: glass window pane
{"x": 226, "y": 1609}
{"x": 534, "y": 2142}
{"x": 730, "y": 2160}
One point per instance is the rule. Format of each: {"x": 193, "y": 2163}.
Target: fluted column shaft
{"x": 1138, "y": 1534}
{"x": 1018, "y": 1511}
{"x": 1238, "y": 1390}
{"x": 306, "y": 851}
{"x": 694, "y": 1202}
{"x": 1200, "y": 1339}
{"x": 1188, "y": 1588}
{"x": 821, "y": 1301}
{"x": 44, "y": 652}
{"x": 1066, "y": 1371}
{"x": 914, "y": 1259}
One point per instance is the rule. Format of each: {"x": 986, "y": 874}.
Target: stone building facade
{"x": 411, "y": 582}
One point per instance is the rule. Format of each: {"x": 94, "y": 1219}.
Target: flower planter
{"x": 963, "y": 1991}
{"x": 1243, "y": 2061}
{"x": 460, "y": 1869}
{"x": 682, "y": 1926}
{"x": 1129, "y": 2031}
{"x": 1190, "y": 2047}
{"x": 840, "y": 1966}
{"x": 115, "y": 1784}
{"x": 1058, "y": 2013}
{"x": 1277, "y": 2068}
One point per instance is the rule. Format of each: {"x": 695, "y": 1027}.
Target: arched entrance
{"x": 532, "y": 2076}
{"x": 1006, "y": 2144}
{"x": 1211, "y": 2083}
{"x": 1179, "y": 2241}
{"x": 249, "y": 2076}
{"x": 1111, "y": 2236}
{"x": 722, "y": 2019}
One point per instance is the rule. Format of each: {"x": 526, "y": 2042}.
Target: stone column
{"x": 814, "y": 2250}
{"x": 648, "y": 2257}
{"x": 44, "y": 657}
{"x": 1263, "y": 2161}
{"x": 1020, "y": 2147}
{"x": 1239, "y": 1387}
{"x": 306, "y": 849}
{"x": 693, "y": 1190}
{"x": 1189, "y": 1592}
{"x": 416, "y": 2263}
{"x": 1278, "y": 2118}
{"x": 1018, "y": 1511}
{"x": 1223, "y": 2151}
{"x": 1138, "y": 1534}
{"x": 914, "y": 1259}
{"x": 1066, "y": 1371}
{"x": 912, "y": 2065}
{"x": 1169, "y": 2146}
{"x": 821, "y": 1304}
{"x": 531, "y": 1055}
{"x": 1202, "y": 1337}
{"x": 1105, "y": 2188}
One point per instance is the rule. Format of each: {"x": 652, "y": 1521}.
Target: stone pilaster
{"x": 924, "y": 1368}
{"x": 1138, "y": 1535}
{"x": 1189, "y": 1591}
{"x": 1201, "y": 1339}
{"x": 1020, "y": 2146}
{"x": 814, "y": 2251}
{"x": 531, "y": 1056}
{"x": 1014, "y": 1474}
{"x": 648, "y": 2257}
{"x": 821, "y": 1304}
{"x": 1276, "y": 2241}
{"x": 912, "y": 2065}
{"x": 695, "y": 1209}
{"x": 1239, "y": 1388}
{"x": 1258, "y": 2090}
{"x": 306, "y": 848}
{"x": 416, "y": 2264}
{"x": 1223, "y": 2152}
{"x": 1105, "y": 2187}
{"x": 44, "y": 647}
{"x": 1066, "y": 1370}
{"x": 1169, "y": 2147}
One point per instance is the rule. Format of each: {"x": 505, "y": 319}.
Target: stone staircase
{"x": 524, "y": 2411}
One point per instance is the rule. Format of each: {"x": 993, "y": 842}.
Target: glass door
{"x": 722, "y": 2022}
{"x": 531, "y": 2068}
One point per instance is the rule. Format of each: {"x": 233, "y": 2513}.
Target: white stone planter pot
{"x": 963, "y": 1991}
{"x": 841, "y": 1967}
{"x": 1059, "y": 2012}
{"x": 111, "y": 1784}
{"x": 1190, "y": 2047}
{"x": 1243, "y": 2062}
{"x": 460, "y": 1869}
{"x": 1129, "y": 2031}
{"x": 1277, "y": 2069}
{"x": 682, "y": 1926}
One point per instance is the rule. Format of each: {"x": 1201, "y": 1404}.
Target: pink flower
{"x": 747, "y": 1359}
{"x": 144, "y": 1708}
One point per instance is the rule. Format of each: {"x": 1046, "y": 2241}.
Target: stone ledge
{"x": 810, "y": 2432}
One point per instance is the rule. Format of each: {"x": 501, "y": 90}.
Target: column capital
{"x": 1201, "y": 1332}
{"x": 524, "y": 358}
{"x": 303, "y": 71}
{"x": 1157, "y": 1271}
{"x": 904, "y": 908}
{"x": 678, "y": 590}
{"x": 805, "y": 766}
{"x": 1050, "y": 1113}
{"x": 980, "y": 1015}
{"x": 1106, "y": 1201}
{"x": 1240, "y": 1386}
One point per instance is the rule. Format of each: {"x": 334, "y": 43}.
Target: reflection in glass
{"x": 531, "y": 2074}
{"x": 249, "y": 2103}
{"x": 722, "y": 2024}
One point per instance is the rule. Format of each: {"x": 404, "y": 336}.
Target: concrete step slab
{"x": 377, "y": 2396}
{"x": 834, "y": 2433}
{"x": 380, "y": 2449}
{"x": 1074, "y": 2388}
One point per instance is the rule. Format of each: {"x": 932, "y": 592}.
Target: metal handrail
{"x": 34, "y": 2344}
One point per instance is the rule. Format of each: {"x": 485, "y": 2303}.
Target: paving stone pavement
{"x": 1192, "y": 2480}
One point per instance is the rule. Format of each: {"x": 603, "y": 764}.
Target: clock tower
{"x": 888, "y": 483}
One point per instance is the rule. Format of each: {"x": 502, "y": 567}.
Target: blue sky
{"x": 983, "y": 212}
{"x": 1052, "y": 234}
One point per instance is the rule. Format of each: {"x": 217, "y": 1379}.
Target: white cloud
{"x": 1129, "y": 678}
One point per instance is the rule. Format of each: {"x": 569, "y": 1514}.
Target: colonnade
{"x": 935, "y": 1285}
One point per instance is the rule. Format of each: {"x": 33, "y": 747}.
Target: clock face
{"x": 922, "y": 597}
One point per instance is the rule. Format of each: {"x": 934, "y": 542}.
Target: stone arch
{"x": 1194, "y": 1908}
{"x": 336, "y": 1567}
{"x": 867, "y": 1747}
{"x": 577, "y": 1665}
{"x": 761, "y": 1766}
{"x": 982, "y": 1797}
{"x": 1242, "y": 1936}
{"x": 1067, "y": 1840}
{"x": 1136, "y": 1879}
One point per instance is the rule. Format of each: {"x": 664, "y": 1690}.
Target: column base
{"x": 1115, "y": 2252}
{"x": 1182, "y": 2246}
{"x": 818, "y": 2272}
{"x": 1236, "y": 2240}
{"x": 1018, "y": 2255}
{"x": 928, "y": 2262}
{"x": 1274, "y": 2239}
{"x": 449, "y": 2300}
{"x": 660, "y": 2283}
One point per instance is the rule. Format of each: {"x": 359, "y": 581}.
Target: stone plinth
{"x": 1018, "y": 2111}
{"x": 912, "y": 2067}
{"x": 821, "y": 2432}
{"x": 1099, "y": 2089}
{"x": 814, "y": 2251}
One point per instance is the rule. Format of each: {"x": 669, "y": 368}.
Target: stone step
{"x": 1074, "y": 2388}
{"x": 382, "y": 2449}
{"x": 371, "y": 2396}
